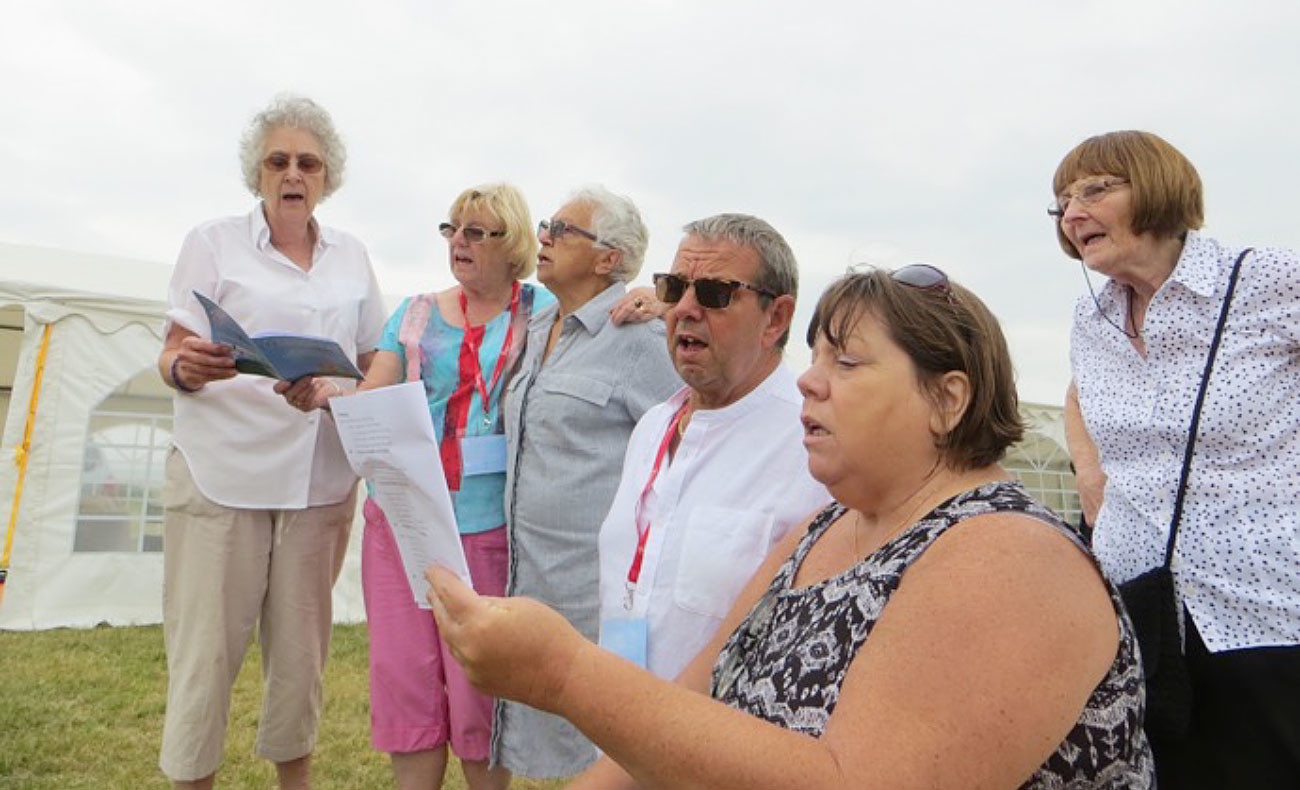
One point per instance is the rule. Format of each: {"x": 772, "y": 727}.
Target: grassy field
{"x": 84, "y": 708}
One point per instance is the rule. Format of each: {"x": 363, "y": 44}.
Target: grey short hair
{"x": 778, "y": 271}
{"x": 294, "y": 112}
{"x": 617, "y": 223}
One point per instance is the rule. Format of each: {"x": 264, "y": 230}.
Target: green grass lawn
{"x": 84, "y": 708}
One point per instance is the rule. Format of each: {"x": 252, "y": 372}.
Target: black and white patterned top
{"x": 1237, "y": 559}
{"x": 787, "y": 660}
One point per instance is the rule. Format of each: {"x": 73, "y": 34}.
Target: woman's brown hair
{"x": 941, "y": 330}
{"x": 1167, "y": 199}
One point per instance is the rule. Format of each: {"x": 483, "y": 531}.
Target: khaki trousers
{"x": 225, "y": 569}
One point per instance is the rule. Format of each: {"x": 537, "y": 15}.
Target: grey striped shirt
{"x": 568, "y": 422}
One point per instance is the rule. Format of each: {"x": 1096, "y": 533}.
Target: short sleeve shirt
{"x": 445, "y": 370}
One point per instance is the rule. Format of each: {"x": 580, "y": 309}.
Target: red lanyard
{"x": 643, "y": 523}
{"x": 474, "y": 340}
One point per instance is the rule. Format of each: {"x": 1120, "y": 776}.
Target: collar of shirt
{"x": 1199, "y": 267}
{"x": 595, "y": 313}
{"x": 259, "y": 232}
{"x": 777, "y": 385}
{"x": 1197, "y": 270}
{"x": 592, "y": 316}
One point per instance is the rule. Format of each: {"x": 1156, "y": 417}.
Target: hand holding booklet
{"x": 278, "y": 355}
{"x": 388, "y": 437}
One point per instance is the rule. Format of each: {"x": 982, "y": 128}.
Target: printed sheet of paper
{"x": 388, "y": 436}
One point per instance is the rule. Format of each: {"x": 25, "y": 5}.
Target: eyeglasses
{"x": 307, "y": 163}
{"x": 923, "y": 276}
{"x": 711, "y": 293}
{"x": 1087, "y": 193}
{"x": 558, "y": 227}
{"x": 472, "y": 233}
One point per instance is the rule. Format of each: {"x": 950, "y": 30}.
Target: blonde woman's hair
{"x": 506, "y": 203}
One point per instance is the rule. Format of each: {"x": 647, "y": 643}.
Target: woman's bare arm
{"x": 607, "y": 774}
{"x": 1089, "y": 478}
{"x": 978, "y": 668}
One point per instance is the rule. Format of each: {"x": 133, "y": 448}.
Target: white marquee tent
{"x": 86, "y": 425}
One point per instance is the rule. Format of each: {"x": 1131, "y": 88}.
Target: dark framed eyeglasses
{"x": 279, "y": 162}
{"x": 710, "y": 292}
{"x": 472, "y": 233}
{"x": 923, "y": 276}
{"x": 1087, "y": 193}
{"x": 558, "y": 227}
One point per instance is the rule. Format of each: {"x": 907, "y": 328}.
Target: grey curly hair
{"x": 295, "y": 112}
{"x": 618, "y": 224}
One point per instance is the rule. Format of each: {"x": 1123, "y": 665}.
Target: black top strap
{"x": 1196, "y": 410}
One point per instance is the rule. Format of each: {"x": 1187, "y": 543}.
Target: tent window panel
{"x": 1033, "y": 481}
{"x": 11, "y": 346}
{"x": 122, "y": 472}
{"x": 106, "y": 533}
{"x": 1044, "y": 468}
{"x": 153, "y": 535}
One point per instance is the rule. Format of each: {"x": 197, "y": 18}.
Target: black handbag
{"x": 1153, "y": 608}
{"x": 1150, "y": 599}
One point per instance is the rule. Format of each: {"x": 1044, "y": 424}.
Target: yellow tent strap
{"x": 20, "y": 454}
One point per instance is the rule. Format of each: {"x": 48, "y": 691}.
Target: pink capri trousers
{"x": 419, "y": 697}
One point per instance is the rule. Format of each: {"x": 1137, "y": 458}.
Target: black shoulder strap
{"x": 1196, "y": 410}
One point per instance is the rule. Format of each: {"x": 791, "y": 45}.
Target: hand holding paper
{"x": 509, "y": 647}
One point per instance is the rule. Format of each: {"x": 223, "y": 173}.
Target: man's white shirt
{"x": 737, "y": 483}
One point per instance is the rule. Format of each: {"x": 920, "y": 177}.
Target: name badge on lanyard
{"x": 473, "y": 339}
{"x": 625, "y": 635}
{"x": 628, "y": 637}
{"x": 483, "y": 455}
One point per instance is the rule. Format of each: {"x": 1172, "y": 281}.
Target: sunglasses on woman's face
{"x": 923, "y": 276}
{"x": 472, "y": 233}
{"x": 307, "y": 163}
{"x": 558, "y": 227}
{"x": 711, "y": 293}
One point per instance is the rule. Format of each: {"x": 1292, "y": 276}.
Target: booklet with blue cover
{"x": 279, "y": 355}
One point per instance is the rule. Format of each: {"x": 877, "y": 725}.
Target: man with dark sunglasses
{"x": 717, "y": 474}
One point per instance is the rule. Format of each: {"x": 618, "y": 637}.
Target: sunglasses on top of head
{"x": 307, "y": 163}
{"x": 924, "y": 277}
{"x": 710, "y": 292}
{"x": 472, "y": 233}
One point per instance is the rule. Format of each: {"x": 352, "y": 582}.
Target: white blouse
{"x": 245, "y": 446}
{"x": 1237, "y": 558}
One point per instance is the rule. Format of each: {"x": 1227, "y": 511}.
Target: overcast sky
{"x": 865, "y": 132}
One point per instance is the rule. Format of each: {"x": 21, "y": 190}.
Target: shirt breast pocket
{"x": 584, "y": 388}
{"x": 720, "y": 551}
{"x": 570, "y": 405}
